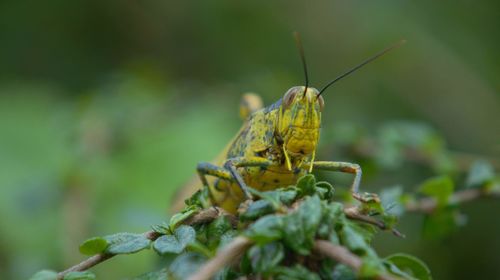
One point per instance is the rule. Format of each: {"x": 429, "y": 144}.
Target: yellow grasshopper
{"x": 276, "y": 145}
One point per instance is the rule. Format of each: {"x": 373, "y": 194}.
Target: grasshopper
{"x": 276, "y": 145}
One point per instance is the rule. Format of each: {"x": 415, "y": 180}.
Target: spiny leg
{"x": 232, "y": 165}
{"x": 347, "y": 167}
{"x": 207, "y": 168}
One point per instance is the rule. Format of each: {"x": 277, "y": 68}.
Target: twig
{"x": 354, "y": 214}
{"x": 88, "y": 263}
{"x": 238, "y": 246}
{"x": 342, "y": 255}
{"x": 224, "y": 257}
{"x": 463, "y": 160}
{"x": 204, "y": 216}
{"x": 428, "y": 205}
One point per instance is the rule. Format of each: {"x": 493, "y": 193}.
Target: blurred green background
{"x": 107, "y": 106}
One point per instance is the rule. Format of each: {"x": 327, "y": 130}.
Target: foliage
{"x": 284, "y": 225}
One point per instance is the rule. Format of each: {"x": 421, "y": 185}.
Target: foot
{"x": 366, "y": 197}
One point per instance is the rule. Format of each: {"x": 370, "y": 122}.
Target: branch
{"x": 354, "y": 214}
{"x": 238, "y": 246}
{"x": 428, "y": 205}
{"x": 204, "y": 216}
{"x": 224, "y": 257}
{"x": 463, "y": 160}
{"x": 342, "y": 255}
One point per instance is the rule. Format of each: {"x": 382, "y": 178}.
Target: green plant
{"x": 298, "y": 232}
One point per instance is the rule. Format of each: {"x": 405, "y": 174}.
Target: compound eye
{"x": 321, "y": 103}
{"x": 290, "y": 96}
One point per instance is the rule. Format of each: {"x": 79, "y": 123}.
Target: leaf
{"x": 265, "y": 257}
{"x": 288, "y": 195}
{"x": 441, "y": 223}
{"x": 126, "y": 243}
{"x": 441, "y": 188}
{"x": 371, "y": 267}
{"x": 351, "y": 236}
{"x": 343, "y": 272}
{"x": 80, "y": 275}
{"x": 265, "y": 229}
{"x": 480, "y": 173}
{"x": 300, "y": 226}
{"x": 409, "y": 265}
{"x": 306, "y": 185}
{"x": 257, "y": 209}
{"x": 44, "y": 275}
{"x": 175, "y": 243}
{"x": 200, "y": 199}
{"x": 297, "y": 272}
{"x": 186, "y": 264}
{"x": 391, "y": 199}
{"x": 200, "y": 248}
{"x": 271, "y": 196}
{"x": 155, "y": 275}
{"x": 162, "y": 228}
{"x": 216, "y": 229}
{"x": 325, "y": 190}
{"x": 332, "y": 215}
{"x": 178, "y": 218}
{"x": 93, "y": 246}
{"x": 227, "y": 237}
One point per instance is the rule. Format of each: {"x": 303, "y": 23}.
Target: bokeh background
{"x": 107, "y": 106}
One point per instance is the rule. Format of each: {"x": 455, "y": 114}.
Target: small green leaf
{"x": 93, "y": 246}
{"x": 480, "y": 173}
{"x": 325, "y": 190}
{"x": 409, "y": 265}
{"x": 493, "y": 187}
{"x": 441, "y": 223}
{"x": 343, "y": 272}
{"x": 185, "y": 265}
{"x": 392, "y": 200}
{"x": 178, "y": 218}
{"x": 288, "y": 195}
{"x": 218, "y": 226}
{"x": 126, "y": 243}
{"x": 200, "y": 248}
{"x": 257, "y": 209}
{"x": 332, "y": 215}
{"x": 265, "y": 257}
{"x": 199, "y": 199}
{"x": 306, "y": 184}
{"x": 176, "y": 242}
{"x": 355, "y": 238}
{"x": 80, "y": 275}
{"x": 273, "y": 197}
{"x": 44, "y": 275}
{"x": 440, "y": 188}
{"x": 371, "y": 267}
{"x": 301, "y": 226}
{"x": 297, "y": 272}
{"x": 227, "y": 237}
{"x": 216, "y": 229}
{"x": 155, "y": 275}
{"x": 162, "y": 228}
{"x": 265, "y": 229}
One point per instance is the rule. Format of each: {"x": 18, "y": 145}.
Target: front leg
{"x": 347, "y": 167}
{"x": 233, "y": 163}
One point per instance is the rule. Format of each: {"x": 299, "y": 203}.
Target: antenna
{"x": 302, "y": 58}
{"x": 347, "y": 73}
